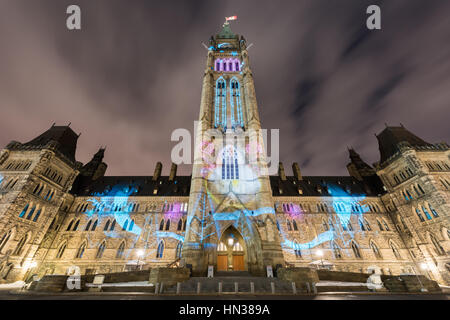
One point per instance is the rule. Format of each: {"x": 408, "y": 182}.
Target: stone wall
{"x": 169, "y": 276}
{"x": 300, "y": 276}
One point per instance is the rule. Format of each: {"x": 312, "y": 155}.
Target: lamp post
{"x": 424, "y": 267}
{"x": 319, "y": 253}
{"x": 140, "y": 253}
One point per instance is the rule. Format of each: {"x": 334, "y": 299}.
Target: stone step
{"x": 232, "y": 274}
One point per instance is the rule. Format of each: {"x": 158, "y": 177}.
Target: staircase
{"x": 228, "y": 279}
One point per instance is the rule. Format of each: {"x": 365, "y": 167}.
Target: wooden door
{"x": 238, "y": 263}
{"x": 222, "y": 263}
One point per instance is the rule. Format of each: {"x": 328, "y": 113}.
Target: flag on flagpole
{"x": 230, "y": 18}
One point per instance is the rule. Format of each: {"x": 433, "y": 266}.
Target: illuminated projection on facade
{"x": 56, "y": 212}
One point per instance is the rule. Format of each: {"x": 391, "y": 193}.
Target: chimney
{"x": 158, "y": 170}
{"x": 296, "y": 171}
{"x": 173, "y": 172}
{"x": 281, "y": 173}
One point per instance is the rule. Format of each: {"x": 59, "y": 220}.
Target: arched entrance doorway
{"x": 231, "y": 251}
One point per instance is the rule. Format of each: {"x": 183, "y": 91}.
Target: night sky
{"x": 133, "y": 74}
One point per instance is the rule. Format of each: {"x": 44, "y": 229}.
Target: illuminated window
{"x": 24, "y": 211}
{"x": 237, "y": 247}
{"x": 235, "y": 103}
{"x": 130, "y": 228}
{"x": 160, "y": 251}
{"x": 419, "y": 215}
{"x": 426, "y": 213}
{"x": 222, "y": 247}
{"x": 433, "y": 211}
{"x": 220, "y": 104}
{"x": 230, "y": 165}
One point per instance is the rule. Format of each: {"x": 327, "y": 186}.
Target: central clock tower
{"x": 231, "y": 216}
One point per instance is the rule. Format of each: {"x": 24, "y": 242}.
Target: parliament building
{"x": 56, "y": 212}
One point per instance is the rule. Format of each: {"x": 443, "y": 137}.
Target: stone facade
{"x": 58, "y": 216}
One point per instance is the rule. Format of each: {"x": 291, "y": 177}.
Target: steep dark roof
{"x": 180, "y": 186}
{"x": 390, "y": 137}
{"x": 317, "y": 186}
{"x": 64, "y": 137}
{"x": 133, "y": 186}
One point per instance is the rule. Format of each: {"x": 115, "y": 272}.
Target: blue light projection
{"x": 114, "y": 203}
{"x": 345, "y": 205}
{"x": 220, "y": 103}
{"x": 221, "y": 45}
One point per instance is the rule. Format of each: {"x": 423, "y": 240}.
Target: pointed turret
{"x": 95, "y": 168}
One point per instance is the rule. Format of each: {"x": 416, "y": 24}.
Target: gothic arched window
{"x": 336, "y": 250}
{"x": 106, "y": 226}
{"x": 426, "y": 213}
{"x": 419, "y": 214}
{"x": 100, "y": 251}
{"x": 235, "y": 102}
{"x": 120, "y": 251}
{"x": 433, "y": 211}
{"x": 61, "y": 250}
{"x": 375, "y": 250}
{"x": 180, "y": 225}
{"x": 160, "y": 251}
{"x": 20, "y": 245}
{"x": 81, "y": 250}
{"x": 179, "y": 248}
{"x": 356, "y": 251}
{"x": 220, "y": 109}
{"x": 395, "y": 250}
{"x": 230, "y": 165}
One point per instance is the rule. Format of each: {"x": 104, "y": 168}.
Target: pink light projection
{"x": 227, "y": 65}
{"x": 174, "y": 210}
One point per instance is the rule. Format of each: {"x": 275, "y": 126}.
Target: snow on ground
{"x": 123, "y": 284}
{"x": 340, "y": 284}
{"x": 14, "y": 285}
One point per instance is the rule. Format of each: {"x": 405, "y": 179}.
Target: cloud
{"x": 134, "y": 72}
